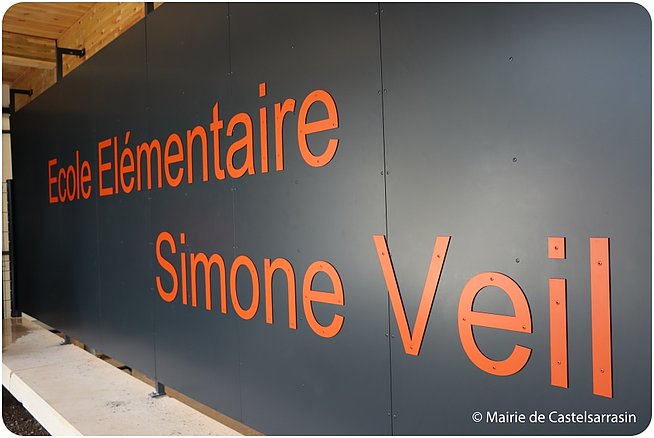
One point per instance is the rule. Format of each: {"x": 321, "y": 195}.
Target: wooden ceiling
{"x": 30, "y": 32}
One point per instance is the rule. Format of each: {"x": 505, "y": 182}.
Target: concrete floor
{"x": 72, "y": 392}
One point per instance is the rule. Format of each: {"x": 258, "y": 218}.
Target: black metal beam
{"x": 61, "y": 51}
{"x": 149, "y": 7}
{"x": 12, "y": 98}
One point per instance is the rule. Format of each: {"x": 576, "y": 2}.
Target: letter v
{"x": 412, "y": 343}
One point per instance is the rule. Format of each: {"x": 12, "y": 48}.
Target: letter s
{"x": 166, "y": 296}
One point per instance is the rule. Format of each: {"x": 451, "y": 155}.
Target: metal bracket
{"x": 12, "y": 98}
{"x": 61, "y": 51}
{"x": 66, "y": 341}
{"x": 159, "y": 390}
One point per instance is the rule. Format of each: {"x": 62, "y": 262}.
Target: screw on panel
{"x": 510, "y": 58}
{"x": 517, "y": 260}
{"x": 515, "y": 159}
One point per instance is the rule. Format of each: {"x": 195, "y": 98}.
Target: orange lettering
{"x": 125, "y": 169}
{"x": 62, "y": 174}
{"x": 215, "y": 126}
{"x": 558, "y": 333}
{"x": 77, "y": 175}
{"x": 600, "y": 298}
{"x": 103, "y": 167}
{"x": 51, "y": 180}
{"x": 207, "y": 264}
{"x": 304, "y": 128}
{"x": 309, "y": 296}
{"x": 263, "y": 127}
{"x": 198, "y": 131}
{"x": 280, "y": 113}
{"x": 245, "y": 142}
{"x": 70, "y": 177}
{"x": 268, "y": 272}
{"x": 412, "y": 343}
{"x": 252, "y": 310}
{"x": 85, "y": 178}
{"x": 145, "y": 148}
{"x": 182, "y": 241}
{"x": 468, "y": 318}
{"x": 172, "y": 159}
{"x": 167, "y": 296}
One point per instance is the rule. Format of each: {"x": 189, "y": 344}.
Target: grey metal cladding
{"x": 498, "y": 125}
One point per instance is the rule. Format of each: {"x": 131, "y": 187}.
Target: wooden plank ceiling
{"x": 30, "y": 32}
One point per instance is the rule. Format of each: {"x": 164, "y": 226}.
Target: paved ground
{"x": 17, "y": 419}
{"x": 53, "y": 380}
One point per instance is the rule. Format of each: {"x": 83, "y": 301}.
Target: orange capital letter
{"x": 412, "y": 342}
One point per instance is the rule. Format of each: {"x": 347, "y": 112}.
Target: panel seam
{"x": 382, "y": 92}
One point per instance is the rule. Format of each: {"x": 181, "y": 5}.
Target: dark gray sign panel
{"x": 505, "y": 125}
{"x": 56, "y": 244}
{"x": 119, "y": 94}
{"x": 495, "y": 153}
{"x": 188, "y": 67}
{"x": 306, "y": 214}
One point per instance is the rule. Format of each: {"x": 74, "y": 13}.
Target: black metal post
{"x": 149, "y": 7}
{"x": 159, "y": 389}
{"x": 15, "y": 312}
